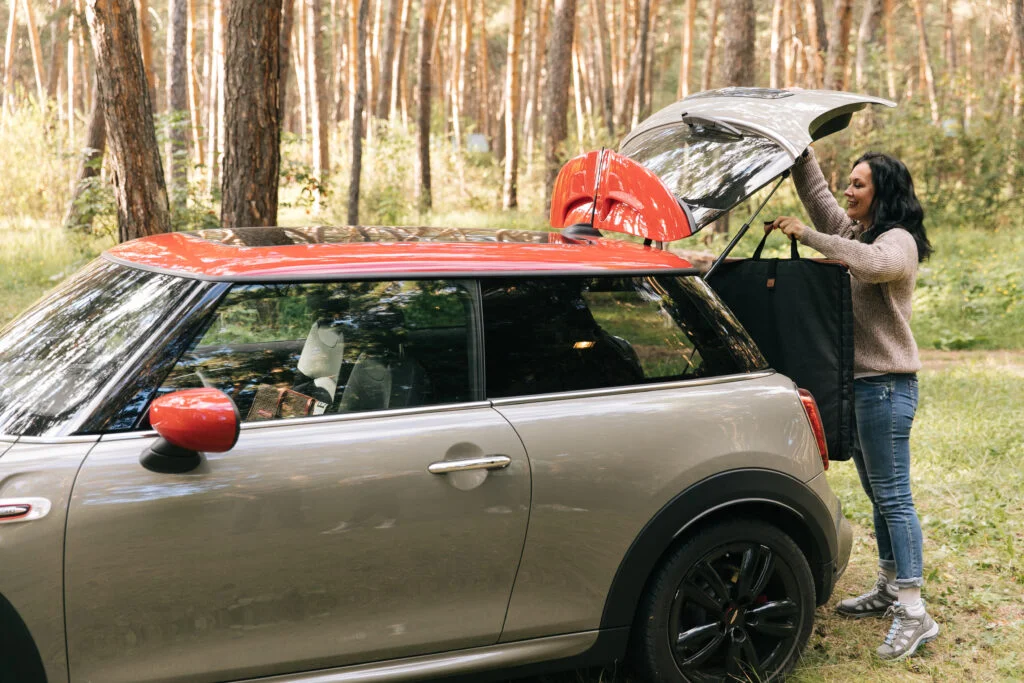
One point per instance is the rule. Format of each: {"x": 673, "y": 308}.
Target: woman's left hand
{"x": 790, "y": 226}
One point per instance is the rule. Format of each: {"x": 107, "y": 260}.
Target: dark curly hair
{"x": 895, "y": 204}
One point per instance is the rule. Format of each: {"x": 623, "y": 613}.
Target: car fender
{"x": 763, "y": 492}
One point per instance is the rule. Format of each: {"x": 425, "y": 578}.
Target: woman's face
{"x": 860, "y": 194}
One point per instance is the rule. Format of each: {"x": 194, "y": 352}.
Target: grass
{"x": 969, "y": 490}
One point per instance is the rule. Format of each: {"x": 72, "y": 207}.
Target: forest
{"x": 122, "y": 118}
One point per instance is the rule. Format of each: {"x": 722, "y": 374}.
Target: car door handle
{"x": 487, "y": 462}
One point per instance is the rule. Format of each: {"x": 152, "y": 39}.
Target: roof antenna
{"x": 597, "y": 186}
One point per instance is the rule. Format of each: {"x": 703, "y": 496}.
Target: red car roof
{"x": 286, "y": 253}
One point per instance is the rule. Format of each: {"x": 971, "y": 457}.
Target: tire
{"x": 742, "y": 594}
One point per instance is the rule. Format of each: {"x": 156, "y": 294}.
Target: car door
{"x": 321, "y": 539}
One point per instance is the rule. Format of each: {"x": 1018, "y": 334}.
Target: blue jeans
{"x": 885, "y": 407}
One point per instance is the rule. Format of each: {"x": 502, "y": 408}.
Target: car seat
{"x": 320, "y": 362}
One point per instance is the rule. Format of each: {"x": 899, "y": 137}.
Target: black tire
{"x": 742, "y": 594}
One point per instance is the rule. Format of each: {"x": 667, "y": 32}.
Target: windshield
{"x": 712, "y": 171}
{"x": 58, "y": 355}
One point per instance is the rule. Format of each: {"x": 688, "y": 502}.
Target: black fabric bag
{"x": 800, "y": 313}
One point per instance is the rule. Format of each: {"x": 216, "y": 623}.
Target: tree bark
{"x": 556, "y": 90}
{"x": 78, "y": 216}
{"x": 177, "y": 100}
{"x": 58, "y": 42}
{"x": 738, "y": 57}
{"x": 194, "y": 103}
{"x": 866, "y": 36}
{"x": 817, "y": 41}
{"x": 1017, "y": 27}
{"x": 357, "y": 113}
{"x": 644, "y": 26}
{"x": 252, "y": 129}
{"x": 776, "y": 74}
{"x": 428, "y": 14}
{"x": 839, "y": 45}
{"x": 139, "y": 187}
{"x": 513, "y": 69}
{"x": 146, "y": 42}
{"x": 215, "y": 88}
{"x": 37, "y": 52}
{"x": 890, "y": 50}
{"x": 318, "y": 89}
{"x": 398, "y": 71}
{"x": 533, "y": 103}
{"x": 709, "y": 56}
{"x": 387, "y": 60}
{"x": 604, "y": 45}
{"x": 12, "y": 30}
{"x": 926, "y": 64}
{"x": 285, "y": 46}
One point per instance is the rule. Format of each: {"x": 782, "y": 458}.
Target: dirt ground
{"x": 1010, "y": 361}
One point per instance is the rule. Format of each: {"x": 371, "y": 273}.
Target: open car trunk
{"x": 693, "y": 161}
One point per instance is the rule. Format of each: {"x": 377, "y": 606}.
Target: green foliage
{"x": 39, "y": 164}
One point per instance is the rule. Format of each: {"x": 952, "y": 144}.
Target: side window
{"x": 298, "y": 349}
{"x": 550, "y": 335}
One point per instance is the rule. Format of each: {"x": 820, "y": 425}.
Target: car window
{"x": 301, "y": 349}
{"x": 548, "y": 335}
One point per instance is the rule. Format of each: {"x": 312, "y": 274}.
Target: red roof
{"x": 283, "y": 253}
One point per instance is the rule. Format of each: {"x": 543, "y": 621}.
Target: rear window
{"x": 546, "y": 335}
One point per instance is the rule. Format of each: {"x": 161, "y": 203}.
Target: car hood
{"x": 716, "y": 148}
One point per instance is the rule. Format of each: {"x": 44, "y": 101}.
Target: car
{"x": 378, "y": 453}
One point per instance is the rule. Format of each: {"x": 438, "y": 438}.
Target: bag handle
{"x": 793, "y": 252}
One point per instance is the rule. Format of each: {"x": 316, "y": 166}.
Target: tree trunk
{"x": 603, "y": 46}
{"x": 79, "y": 216}
{"x": 866, "y": 35}
{"x": 58, "y": 41}
{"x": 72, "y": 76}
{"x": 890, "y": 50}
{"x": 301, "y": 60}
{"x": 428, "y": 14}
{"x": 533, "y": 103}
{"x": 926, "y": 64}
{"x": 216, "y": 90}
{"x": 556, "y": 90}
{"x": 146, "y": 42}
{"x": 138, "y": 175}
{"x": 285, "y": 46}
{"x": 387, "y": 59}
{"x": 357, "y": 113}
{"x": 194, "y": 104}
{"x": 12, "y": 30}
{"x": 1017, "y": 27}
{"x": 37, "y": 51}
{"x": 949, "y": 37}
{"x": 738, "y": 55}
{"x": 776, "y": 74}
{"x": 398, "y": 71}
{"x": 454, "y": 73}
{"x": 818, "y": 40}
{"x": 317, "y": 68}
{"x": 252, "y": 130}
{"x": 839, "y": 45}
{"x": 510, "y": 198}
{"x": 709, "y": 57}
{"x": 640, "y": 108}
{"x": 177, "y": 100}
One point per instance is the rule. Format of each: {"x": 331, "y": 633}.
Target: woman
{"x": 881, "y": 238}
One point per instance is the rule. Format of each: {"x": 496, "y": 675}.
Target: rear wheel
{"x": 734, "y": 602}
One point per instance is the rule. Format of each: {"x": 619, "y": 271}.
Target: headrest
{"x": 322, "y": 353}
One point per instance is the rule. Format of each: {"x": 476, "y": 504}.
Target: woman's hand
{"x": 790, "y": 226}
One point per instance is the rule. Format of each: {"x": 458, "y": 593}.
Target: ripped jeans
{"x": 885, "y": 407}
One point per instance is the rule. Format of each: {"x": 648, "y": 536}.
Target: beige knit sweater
{"x": 884, "y": 274}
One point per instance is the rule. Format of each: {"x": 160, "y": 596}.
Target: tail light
{"x": 814, "y": 417}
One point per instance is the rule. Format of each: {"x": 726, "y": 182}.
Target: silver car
{"x": 355, "y": 454}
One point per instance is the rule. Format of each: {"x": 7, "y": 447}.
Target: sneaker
{"x": 874, "y": 603}
{"x": 906, "y": 634}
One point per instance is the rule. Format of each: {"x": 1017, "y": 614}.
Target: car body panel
{"x": 314, "y": 543}
{"x": 191, "y": 255}
{"x": 604, "y": 465}
{"x": 794, "y": 119}
{"x": 611, "y": 192}
{"x": 33, "y": 550}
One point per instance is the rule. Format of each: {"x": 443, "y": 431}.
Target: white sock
{"x": 890, "y": 576}
{"x": 910, "y": 597}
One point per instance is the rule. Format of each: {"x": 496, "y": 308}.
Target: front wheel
{"x": 734, "y": 602}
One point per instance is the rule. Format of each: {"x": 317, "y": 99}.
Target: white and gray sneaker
{"x": 874, "y": 603}
{"x": 907, "y": 633}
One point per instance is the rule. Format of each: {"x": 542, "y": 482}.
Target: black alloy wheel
{"x": 734, "y": 602}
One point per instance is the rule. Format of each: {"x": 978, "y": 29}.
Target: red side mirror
{"x": 188, "y": 422}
